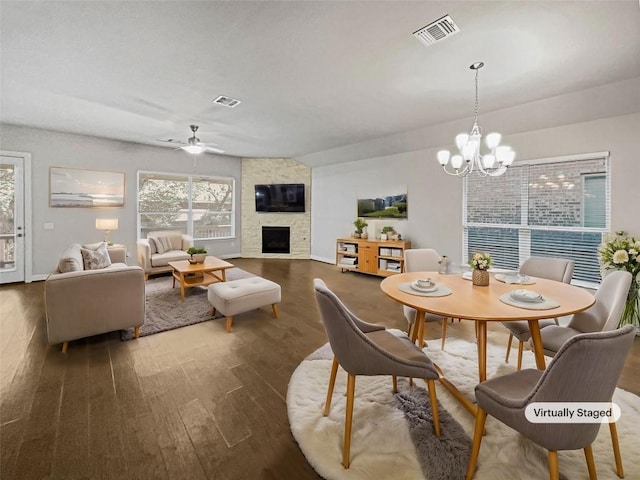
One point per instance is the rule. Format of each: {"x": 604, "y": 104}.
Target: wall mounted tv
{"x": 280, "y": 197}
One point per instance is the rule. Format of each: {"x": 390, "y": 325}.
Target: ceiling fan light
{"x": 195, "y": 149}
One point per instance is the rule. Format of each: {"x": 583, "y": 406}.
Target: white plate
{"x": 512, "y": 278}
{"x": 530, "y": 296}
{"x": 467, "y": 275}
{"x": 418, "y": 288}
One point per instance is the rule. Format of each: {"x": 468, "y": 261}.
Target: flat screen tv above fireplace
{"x": 280, "y": 197}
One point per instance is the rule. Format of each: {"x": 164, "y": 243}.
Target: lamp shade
{"x": 106, "y": 223}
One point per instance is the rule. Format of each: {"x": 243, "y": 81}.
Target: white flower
{"x": 620, "y": 256}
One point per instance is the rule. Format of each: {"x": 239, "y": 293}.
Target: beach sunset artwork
{"x": 72, "y": 187}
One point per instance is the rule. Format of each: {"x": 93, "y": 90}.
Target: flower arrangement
{"x": 621, "y": 252}
{"x": 480, "y": 261}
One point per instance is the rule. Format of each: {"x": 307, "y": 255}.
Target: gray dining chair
{"x": 421, "y": 260}
{"x": 558, "y": 269}
{"x": 603, "y": 315}
{"x": 585, "y": 369}
{"x": 362, "y": 348}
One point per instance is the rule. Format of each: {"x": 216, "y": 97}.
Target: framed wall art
{"x": 75, "y": 187}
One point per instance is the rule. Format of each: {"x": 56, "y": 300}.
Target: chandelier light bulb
{"x": 493, "y": 140}
{"x": 493, "y": 163}
{"x": 443, "y": 157}
{"x": 456, "y": 161}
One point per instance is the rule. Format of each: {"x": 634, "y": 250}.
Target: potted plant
{"x": 386, "y": 232}
{"x": 360, "y": 224}
{"x": 197, "y": 254}
{"x": 480, "y": 262}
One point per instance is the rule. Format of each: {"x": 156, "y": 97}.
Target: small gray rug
{"x": 164, "y": 310}
{"x": 441, "y": 458}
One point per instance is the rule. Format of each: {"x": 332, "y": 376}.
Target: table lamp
{"x": 107, "y": 224}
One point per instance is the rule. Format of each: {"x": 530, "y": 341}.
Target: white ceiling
{"x": 312, "y": 76}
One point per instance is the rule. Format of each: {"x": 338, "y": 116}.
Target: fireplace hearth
{"x": 276, "y": 240}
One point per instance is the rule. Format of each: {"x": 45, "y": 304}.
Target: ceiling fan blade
{"x": 213, "y": 149}
{"x": 171, "y": 140}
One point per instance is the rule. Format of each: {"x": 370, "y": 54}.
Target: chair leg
{"x": 506, "y": 359}
{"x": 481, "y": 417}
{"x": 409, "y": 330}
{"x": 431, "y": 384}
{"x": 351, "y": 387}
{"x": 136, "y": 332}
{"x": 444, "y": 332}
{"x": 588, "y": 455}
{"x": 229, "y": 323}
{"x": 616, "y": 449}
{"x": 65, "y": 345}
{"x": 554, "y": 472}
{"x": 395, "y": 383}
{"x": 275, "y": 310}
{"x": 332, "y": 382}
{"x": 520, "y": 345}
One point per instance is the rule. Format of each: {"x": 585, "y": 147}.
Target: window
{"x": 550, "y": 208}
{"x": 200, "y": 206}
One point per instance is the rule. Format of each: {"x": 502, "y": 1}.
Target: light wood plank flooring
{"x": 193, "y": 403}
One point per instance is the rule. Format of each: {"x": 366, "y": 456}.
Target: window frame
{"x": 525, "y": 230}
{"x": 189, "y": 178}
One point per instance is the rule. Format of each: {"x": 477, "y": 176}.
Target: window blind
{"x": 547, "y": 208}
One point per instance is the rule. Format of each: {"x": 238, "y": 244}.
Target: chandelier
{"x": 469, "y": 159}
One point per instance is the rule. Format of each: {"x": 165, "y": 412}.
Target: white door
{"x": 12, "y": 224}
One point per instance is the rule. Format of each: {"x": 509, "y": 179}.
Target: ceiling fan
{"x": 193, "y": 144}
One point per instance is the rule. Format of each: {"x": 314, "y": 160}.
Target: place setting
{"x": 514, "y": 278}
{"x": 529, "y": 299}
{"x": 425, "y": 287}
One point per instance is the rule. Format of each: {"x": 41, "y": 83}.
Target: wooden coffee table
{"x": 189, "y": 275}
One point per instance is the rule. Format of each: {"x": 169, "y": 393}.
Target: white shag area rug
{"x": 381, "y": 446}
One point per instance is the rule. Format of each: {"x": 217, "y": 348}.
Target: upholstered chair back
{"x": 558, "y": 269}
{"x": 421, "y": 260}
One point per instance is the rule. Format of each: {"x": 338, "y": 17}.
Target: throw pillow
{"x": 163, "y": 244}
{"x": 96, "y": 259}
{"x": 152, "y": 245}
{"x": 71, "y": 260}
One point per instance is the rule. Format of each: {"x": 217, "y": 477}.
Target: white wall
{"x": 435, "y": 199}
{"x": 49, "y": 148}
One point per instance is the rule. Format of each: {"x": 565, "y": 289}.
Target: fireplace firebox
{"x": 276, "y": 240}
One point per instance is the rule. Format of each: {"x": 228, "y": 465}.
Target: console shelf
{"x": 374, "y": 257}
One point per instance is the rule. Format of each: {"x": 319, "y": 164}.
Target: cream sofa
{"x": 80, "y": 303}
{"x": 154, "y": 261}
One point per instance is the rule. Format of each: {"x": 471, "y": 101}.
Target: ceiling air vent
{"x": 436, "y": 31}
{"x": 227, "y": 101}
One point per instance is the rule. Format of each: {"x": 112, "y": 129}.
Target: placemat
{"x": 440, "y": 291}
{"x": 546, "y": 303}
{"x": 512, "y": 279}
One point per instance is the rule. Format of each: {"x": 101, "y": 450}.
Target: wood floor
{"x": 193, "y": 403}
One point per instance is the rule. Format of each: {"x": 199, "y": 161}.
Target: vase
{"x": 480, "y": 277}
{"x": 197, "y": 258}
{"x": 631, "y": 313}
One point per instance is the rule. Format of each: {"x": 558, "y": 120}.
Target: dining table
{"x": 456, "y": 297}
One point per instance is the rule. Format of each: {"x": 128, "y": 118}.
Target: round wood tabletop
{"x": 483, "y": 303}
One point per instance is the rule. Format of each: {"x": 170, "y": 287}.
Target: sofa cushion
{"x": 95, "y": 259}
{"x": 163, "y": 259}
{"x": 71, "y": 259}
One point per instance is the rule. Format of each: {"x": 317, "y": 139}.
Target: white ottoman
{"x": 239, "y": 296}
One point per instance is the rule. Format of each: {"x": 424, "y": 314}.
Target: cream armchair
{"x": 161, "y": 247}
